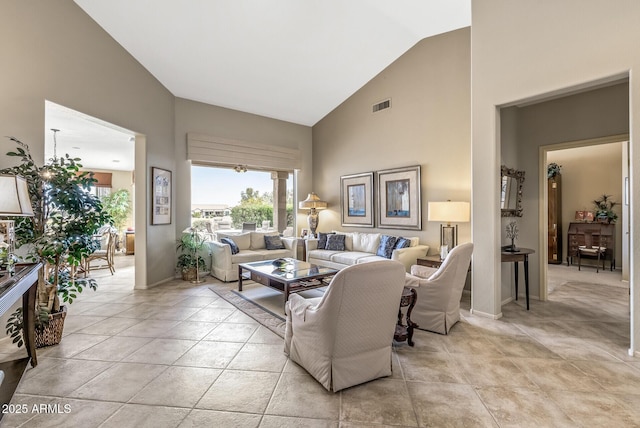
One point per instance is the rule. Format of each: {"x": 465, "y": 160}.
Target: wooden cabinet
{"x": 591, "y": 235}
{"x": 554, "y": 203}
{"x": 130, "y": 243}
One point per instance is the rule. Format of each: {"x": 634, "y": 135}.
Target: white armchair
{"x": 439, "y": 290}
{"x": 344, "y": 338}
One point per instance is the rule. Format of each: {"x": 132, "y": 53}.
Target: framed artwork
{"x": 356, "y": 199}
{"x": 399, "y": 204}
{"x": 161, "y": 194}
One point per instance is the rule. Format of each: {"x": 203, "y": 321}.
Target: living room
{"x": 445, "y": 118}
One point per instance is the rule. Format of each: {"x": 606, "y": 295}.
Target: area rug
{"x": 263, "y": 304}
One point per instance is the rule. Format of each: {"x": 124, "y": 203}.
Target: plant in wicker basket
{"x": 190, "y": 262}
{"x": 60, "y": 235}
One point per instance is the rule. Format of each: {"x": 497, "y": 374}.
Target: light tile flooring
{"x": 177, "y": 355}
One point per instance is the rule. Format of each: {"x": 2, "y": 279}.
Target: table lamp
{"x": 14, "y": 202}
{"x": 448, "y": 212}
{"x": 313, "y": 204}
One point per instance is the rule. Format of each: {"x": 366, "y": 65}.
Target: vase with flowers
{"x": 604, "y": 209}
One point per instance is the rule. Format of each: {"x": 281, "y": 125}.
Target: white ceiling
{"x": 294, "y": 60}
{"x": 99, "y": 145}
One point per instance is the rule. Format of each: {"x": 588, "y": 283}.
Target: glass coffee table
{"x": 288, "y": 276}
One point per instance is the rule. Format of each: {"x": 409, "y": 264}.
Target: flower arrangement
{"x": 604, "y": 209}
{"x": 553, "y": 169}
{"x": 512, "y": 233}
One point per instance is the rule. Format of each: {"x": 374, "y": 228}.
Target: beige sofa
{"x": 224, "y": 265}
{"x": 361, "y": 248}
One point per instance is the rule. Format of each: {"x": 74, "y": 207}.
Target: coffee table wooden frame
{"x": 297, "y": 276}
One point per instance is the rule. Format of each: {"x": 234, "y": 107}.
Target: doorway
{"x": 589, "y": 169}
{"x": 110, "y": 152}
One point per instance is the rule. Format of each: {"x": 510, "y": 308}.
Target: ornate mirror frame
{"x": 519, "y": 177}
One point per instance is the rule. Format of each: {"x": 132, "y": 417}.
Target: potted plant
{"x": 118, "y": 205}
{"x": 60, "y": 235}
{"x": 604, "y": 209}
{"x": 190, "y": 262}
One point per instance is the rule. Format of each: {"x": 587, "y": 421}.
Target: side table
{"x": 430, "y": 261}
{"x": 405, "y": 332}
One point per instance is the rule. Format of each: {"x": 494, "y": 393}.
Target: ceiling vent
{"x": 382, "y": 105}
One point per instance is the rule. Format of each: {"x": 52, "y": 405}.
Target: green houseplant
{"x": 60, "y": 234}
{"x": 190, "y": 262}
{"x": 604, "y": 209}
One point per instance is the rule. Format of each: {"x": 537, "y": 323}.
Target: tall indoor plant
{"x": 60, "y": 234}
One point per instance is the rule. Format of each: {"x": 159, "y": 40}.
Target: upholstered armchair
{"x": 439, "y": 290}
{"x": 344, "y": 338}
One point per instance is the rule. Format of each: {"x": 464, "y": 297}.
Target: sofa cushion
{"x": 242, "y": 240}
{"x": 349, "y": 257}
{"x": 273, "y": 242}
{"x": 366, "y": 242}
{"x": 402, "y": 243}
{"x": 335, "y": 242}
{"x": 257, "y": 239}
{"x": 348, "y": 240}
{"x": 322, "y": 239}
{"x": 247, "y": 256}
{"x": 322, "y": 254}
{"x": 386, "y": 246}
{"x": 272, "y": 254}
{"x": 230, "y": 243}
{"x": 415, "y": 241}
{"x": 370, "y": 258}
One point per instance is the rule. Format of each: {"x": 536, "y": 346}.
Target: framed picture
{"x": 399, "y": 204}
{"x": 356, "y": 199}
{"x": 161, "y": 194}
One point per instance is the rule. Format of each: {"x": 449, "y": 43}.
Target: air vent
{"x": 382, "y": 105}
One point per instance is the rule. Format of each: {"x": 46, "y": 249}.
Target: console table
{"x": 24, "y": 283}
{"x": 521, "y": 255}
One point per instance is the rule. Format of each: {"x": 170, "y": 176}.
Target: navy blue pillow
{"x": 402, "y": 243}
{"x": 335, "y": 242}
{"x": 322, "y": 239}
{"x": 385, "y": 249}
{"x": 229, "y": 242}
{"x": 273, "y": 242}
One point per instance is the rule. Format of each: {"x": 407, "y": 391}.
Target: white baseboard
{"x": 485, "y": 314}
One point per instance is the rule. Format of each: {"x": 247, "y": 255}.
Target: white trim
{"x": 485, "y": 314}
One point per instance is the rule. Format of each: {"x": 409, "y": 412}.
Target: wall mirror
{"x": 511, "y": 191}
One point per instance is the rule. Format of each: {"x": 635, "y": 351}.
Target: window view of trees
{"x": 224, "y": 199}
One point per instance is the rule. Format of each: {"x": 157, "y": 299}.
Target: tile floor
{"x": 178, "y": 356}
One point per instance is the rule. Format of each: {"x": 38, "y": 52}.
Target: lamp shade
{"x": 14, "y": 196}
{"x": 312, "y": 201}
{"x": 449, "y": 212}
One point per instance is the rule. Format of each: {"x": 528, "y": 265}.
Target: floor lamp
{"x": 448, "y": 212}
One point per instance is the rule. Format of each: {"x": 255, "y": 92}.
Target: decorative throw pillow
{"x": 385, "y": 249}
{"x": 402, "y": 243}
{"x": 273, "y": 242}
{"x": 335, "y": 242}
{"x": 322, "y": 239}
{"x": 229, "y": 242}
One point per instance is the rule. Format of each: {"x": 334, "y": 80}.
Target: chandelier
{"x": 240, "y": 168}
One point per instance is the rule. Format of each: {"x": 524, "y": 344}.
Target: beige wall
{"x": 51, "y": 50}
{"x": 587, "y": 173}
{"x": 521, "y": 50}
{"x": 427, "y": 125}
{"x": 192, "y": 116}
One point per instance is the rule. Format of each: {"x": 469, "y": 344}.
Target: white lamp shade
{"x": 14, "y": 196}
{"x": 448, "y": 212}
{"x": 312, "y": 201}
